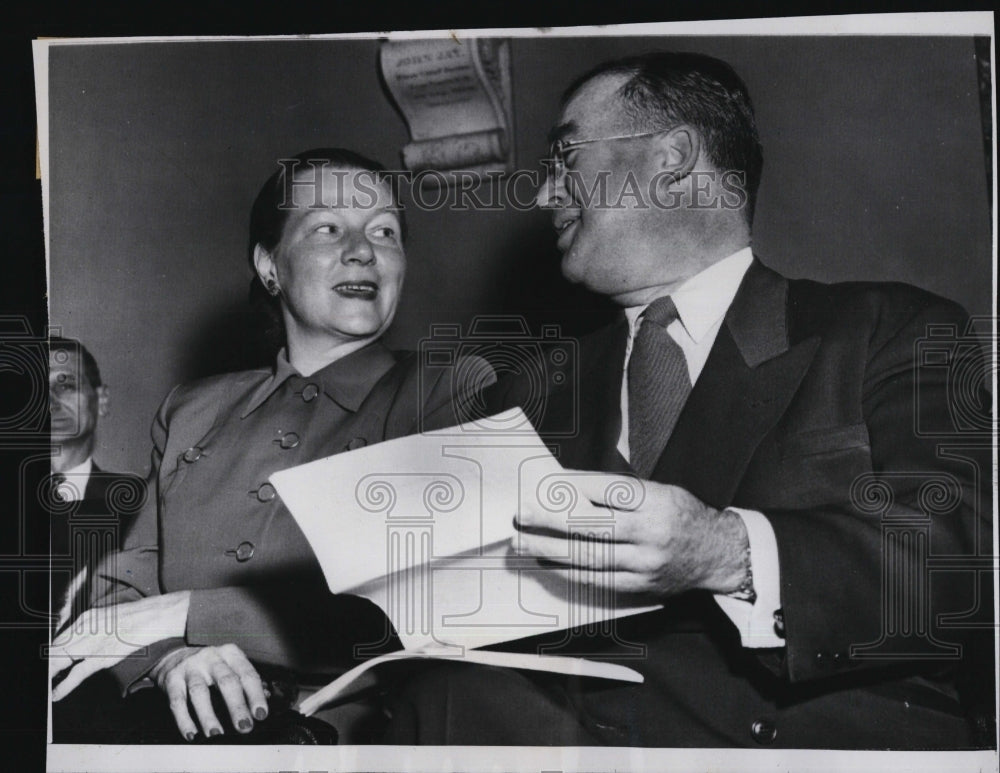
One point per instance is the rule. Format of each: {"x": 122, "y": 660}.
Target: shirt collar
{"x": 81, "y": 469}
{"x": 705, "y": 298}
{"x": 347, "y": 381}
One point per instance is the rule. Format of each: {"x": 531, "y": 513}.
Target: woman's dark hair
{"x": 270, "y": 213}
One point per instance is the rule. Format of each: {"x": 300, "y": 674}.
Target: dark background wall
{"x": 874, "y": 170}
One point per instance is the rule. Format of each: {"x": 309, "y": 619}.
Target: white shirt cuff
{"x": 755, "y": 621}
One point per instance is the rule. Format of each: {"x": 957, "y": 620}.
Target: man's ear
{"x": 678, "y": 151}
{"x": 263, "y": 261}
{"x": 103, "y": 400}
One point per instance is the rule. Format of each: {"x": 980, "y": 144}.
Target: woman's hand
{"x": 186, "y": 675}
{"x": 104, "y": 636}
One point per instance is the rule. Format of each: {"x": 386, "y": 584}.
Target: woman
{"x": 215, "y": 572}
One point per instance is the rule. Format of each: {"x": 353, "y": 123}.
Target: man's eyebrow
{"x": 561, "y": 130}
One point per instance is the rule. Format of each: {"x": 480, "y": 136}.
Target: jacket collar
{"x": 751, "y": 376}
{"x": 346, "y": 381}
{"x": 757, "y": 318}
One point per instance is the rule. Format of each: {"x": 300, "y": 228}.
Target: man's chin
{"x": 574, "y": 273}
{"x": 570, "y": 268}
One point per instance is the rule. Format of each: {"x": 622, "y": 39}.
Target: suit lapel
{"x": 95, "y": 484}
{"x": 598, "y": 421}
{"x": 743, "y": 390}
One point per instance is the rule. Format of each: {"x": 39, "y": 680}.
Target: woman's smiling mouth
{"x": 366, "y": 291}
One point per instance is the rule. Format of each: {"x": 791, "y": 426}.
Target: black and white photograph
{"x": 536, "y": 399}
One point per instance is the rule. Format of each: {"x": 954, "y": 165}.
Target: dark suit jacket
{"x": 84, "y": 531}
{"x": 812, "y": 408}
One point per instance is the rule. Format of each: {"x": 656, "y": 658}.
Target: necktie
{"x": 658, "y": 386}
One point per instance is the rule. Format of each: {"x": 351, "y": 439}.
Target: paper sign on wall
{"x": 455, "y": 96}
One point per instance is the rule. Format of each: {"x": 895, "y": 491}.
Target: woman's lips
{"x": 365, "y": 291}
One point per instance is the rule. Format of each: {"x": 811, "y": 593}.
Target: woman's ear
{"x": 263, "y": 261}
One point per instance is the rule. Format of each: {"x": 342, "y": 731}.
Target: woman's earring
{"x": 272, "y": 287}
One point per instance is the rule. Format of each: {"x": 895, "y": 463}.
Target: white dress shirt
{"x": 702, "y": 302}
{"x": 72, "y": 489}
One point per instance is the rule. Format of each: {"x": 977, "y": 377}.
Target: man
{"x": 90, "y": 509}
{"x": 782, "y": 526}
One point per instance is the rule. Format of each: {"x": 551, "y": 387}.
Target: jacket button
{"x": 356, "y": 443}
{"x": 764, "y": 731}
{"x": 265, "y": 493}
{"x": 242, "y": 552}
{"x": 823, "y": 659}
{"x": 779, "y": 623}
{"x": 193, "y": 454}
{"x": 839, "y": 659}
{"x": 309, "y": 392}
{"x": 289, "y": 440}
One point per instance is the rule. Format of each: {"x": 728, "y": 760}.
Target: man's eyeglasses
{"x": 559, "y": 148}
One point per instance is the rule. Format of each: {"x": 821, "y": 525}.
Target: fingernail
{"x": 189, "y": 735}
{"x": 244, "y": 725}
{"x": 215, "y": 731}
{"x": 260, "y": 713}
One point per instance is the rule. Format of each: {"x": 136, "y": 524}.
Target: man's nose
{"x": 359, "y": 250}
{"x": 56, "y": 404}
{"x": 552, "y": 192}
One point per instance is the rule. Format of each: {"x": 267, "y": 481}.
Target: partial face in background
{"x": 74, "y": 402}
{"x": 340, "y": 262}
{"x": 617, "y": 251}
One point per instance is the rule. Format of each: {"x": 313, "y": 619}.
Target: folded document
{"x": 423, "y": 526}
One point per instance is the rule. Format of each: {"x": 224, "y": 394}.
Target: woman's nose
{"x": 358, "y": 251}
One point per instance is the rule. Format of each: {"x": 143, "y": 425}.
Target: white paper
{"x": 423, "y": 526}
{"x": 552, "y": 664}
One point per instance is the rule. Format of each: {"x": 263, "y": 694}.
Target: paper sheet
{"x": 423, "y": 526}
{"x": 552, "y": 664}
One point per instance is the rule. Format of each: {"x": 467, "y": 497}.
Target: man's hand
{"x": 104, "y": 636}
{"x": 186, "y": 675}
{"x": 664, "y": 542}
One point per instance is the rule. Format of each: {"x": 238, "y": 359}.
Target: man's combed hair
{"x": 665, "y": 88}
